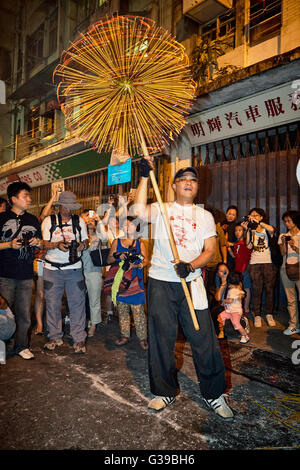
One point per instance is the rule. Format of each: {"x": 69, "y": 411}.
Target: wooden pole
{"x": 168, "y": 228}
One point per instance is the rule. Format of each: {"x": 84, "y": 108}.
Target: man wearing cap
{"x": 63, "y": 272}
{"x": 195, "y": 236}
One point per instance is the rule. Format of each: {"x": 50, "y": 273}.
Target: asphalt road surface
{"x": 98, "y": 401}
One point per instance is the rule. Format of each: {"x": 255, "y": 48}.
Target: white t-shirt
{"x": 56, "y": 255}
{"x": 292, "y": 256}
{"x": 191, "y": 225}
{"x": 236, "y": 306}
{"x": 261, "y": 251}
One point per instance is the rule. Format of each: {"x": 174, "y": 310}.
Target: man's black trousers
{"x": 167, "y": 306}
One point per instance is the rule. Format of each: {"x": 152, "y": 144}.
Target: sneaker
{"x": 159, "y": 403}
{"x": 26, "y": 354}
{"x": 79, "y": 348}
{"x": 247, "y": 327}
{"x": 257, "y": 321}
{"x": 220, "y": 407}
{"x": 244, "y": 339}
{"x": 270, "y": 320}
{"x": 51, "y": 345}
{"x": 291, "y": 331}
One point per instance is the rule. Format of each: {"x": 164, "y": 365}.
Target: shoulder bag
{"x": 99, "y": 256}
{"x": 276, "y": 255}
{"x": 292, "y": 270}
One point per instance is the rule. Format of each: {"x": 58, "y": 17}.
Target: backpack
{"x": 75, "y": 224}
{"x": 75, "y": 227}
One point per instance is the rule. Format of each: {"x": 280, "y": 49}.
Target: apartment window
{"x": 53, "y": 26}
{"x": 48, "y": 123}
{"x": 221, "y": 29}
{"x": 35, "y": 46}
{"x": 33, "y": 122}
{"x": 265, "y": 20}
{"x": 84, "y": 9}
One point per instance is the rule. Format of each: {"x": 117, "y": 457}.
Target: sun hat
{"x": 68, "y": 200}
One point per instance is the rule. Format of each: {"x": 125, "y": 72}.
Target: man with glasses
{"x": 195, "y": 236}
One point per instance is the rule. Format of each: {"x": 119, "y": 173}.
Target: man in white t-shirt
{"x": 63, "y": 272}
{"x": 195, "y": 236}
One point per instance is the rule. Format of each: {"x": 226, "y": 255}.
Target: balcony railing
{"x": 30, "y": 143}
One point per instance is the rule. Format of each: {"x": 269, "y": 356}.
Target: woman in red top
{"x": 241, "y": 256}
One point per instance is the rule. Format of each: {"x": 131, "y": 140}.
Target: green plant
{"x": 204, "y": 57}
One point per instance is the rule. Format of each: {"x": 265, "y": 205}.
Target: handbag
{"x": 127, "y": 287}
{"x": 99, "y": 256}
{"x": 276, "y": 255}
{"x": 292, "y": 270}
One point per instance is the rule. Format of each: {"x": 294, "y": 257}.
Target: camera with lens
{"x": 25, "y": 242}
{"x": 73, "y": 258}
{"x": 252, "y": 225}
{"x": 287, "y": 238}
{"x": 130, "y": 257}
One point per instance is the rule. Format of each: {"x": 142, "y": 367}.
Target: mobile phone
{"x": 91, "y": 214}
{"x": 287, "y": 238}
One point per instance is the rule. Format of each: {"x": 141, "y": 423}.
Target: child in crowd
{"x": 241, "y": 255}
{"x": 233, "y": 307}
{"x": 7, "y": 327}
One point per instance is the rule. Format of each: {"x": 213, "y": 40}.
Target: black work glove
{"x": 183, "y": 269}
{"x": 145, "y": 168}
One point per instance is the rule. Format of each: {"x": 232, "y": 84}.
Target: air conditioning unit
{"x": 204, "y": 11}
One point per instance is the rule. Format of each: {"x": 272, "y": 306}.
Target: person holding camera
{"x": 261, "y": 269}
{"x": 20, "y": 233}
{"x": 108, "y": 229}
{"x": 92, "y": 274}
{"x": 289, "y": 244}
{"x": 133, "y": 253}
{"x": 228, "y": 225}
{"x": 65, "y": 237}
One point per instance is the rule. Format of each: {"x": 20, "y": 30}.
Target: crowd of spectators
{"x": 54, "y": 251}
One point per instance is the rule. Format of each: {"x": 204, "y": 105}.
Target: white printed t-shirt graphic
{"x": 191, "y": 225}
{"x": 56, "y": 255}
{"x": 261, "y": 251}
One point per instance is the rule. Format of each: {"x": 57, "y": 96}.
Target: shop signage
{"x": 270, "y": 108}
{"x": 78, "y": 164}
